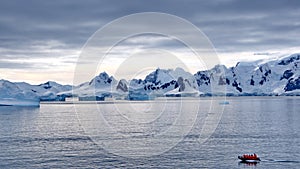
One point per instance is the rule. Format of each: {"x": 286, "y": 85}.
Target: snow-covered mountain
{"x": 158, "y": 83}
{"x": 164, "y": 83}
{"x": 273, "y": 77}
{"x": 101, "y": 85}
{"x": 21, "y": 93}
{"x": 276, "y": 77}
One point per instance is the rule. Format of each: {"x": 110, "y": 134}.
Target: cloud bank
{"x": 46, "y": 36}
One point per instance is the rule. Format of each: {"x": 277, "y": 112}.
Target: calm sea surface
{"x": 153, "y": 134}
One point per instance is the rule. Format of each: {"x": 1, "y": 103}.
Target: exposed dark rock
{"x": 287, "y": 74}
{"x": 181, "y": 84}
{"x": 293, "y": 84}
{"x": 122, "y": 86}
{"x": 289, "y": 60}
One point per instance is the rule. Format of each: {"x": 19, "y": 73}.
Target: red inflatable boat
{"x": 249, "y": 157}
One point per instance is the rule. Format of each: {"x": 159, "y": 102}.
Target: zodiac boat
{"x": 249, "y": 158}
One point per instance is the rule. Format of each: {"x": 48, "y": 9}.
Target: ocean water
{"x": 188, "y": 133}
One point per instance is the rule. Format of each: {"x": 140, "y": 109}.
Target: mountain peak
{"x": 103, "y": 75}
{"x": 289, "y": 59}
{"x": 102, "y": 79}
{"x": 275, "y": 77}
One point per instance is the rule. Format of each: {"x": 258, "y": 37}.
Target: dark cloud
{"x": 14, "y": 65}
{"x": 231, "y": 25}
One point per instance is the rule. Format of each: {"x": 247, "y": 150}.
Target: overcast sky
{"x": 41, "y": 40}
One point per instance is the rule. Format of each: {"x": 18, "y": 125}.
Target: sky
{"x": 42, "y": 40}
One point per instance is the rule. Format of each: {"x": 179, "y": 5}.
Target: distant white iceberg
{"x": 19, "y": 102}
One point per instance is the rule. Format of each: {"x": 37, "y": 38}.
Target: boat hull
{"x": 257, "y": 159}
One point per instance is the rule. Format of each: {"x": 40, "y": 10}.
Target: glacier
{"x": 279, "y": 77}
{"x": 258, "y": 78}
{"x": 24, "y": 94}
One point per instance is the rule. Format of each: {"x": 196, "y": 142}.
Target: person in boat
{"x": 249, "y": 157}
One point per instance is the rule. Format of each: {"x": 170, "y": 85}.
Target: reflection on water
{"x": 52, "y": 137}
{"x": 248, "y": 163}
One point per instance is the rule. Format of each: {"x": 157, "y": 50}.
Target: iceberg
{"x": 19, "y": 102}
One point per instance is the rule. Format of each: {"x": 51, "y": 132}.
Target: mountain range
{"x": 258, "y": 78}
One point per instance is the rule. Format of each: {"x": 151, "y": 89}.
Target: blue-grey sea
{"x": 152, "y": 134}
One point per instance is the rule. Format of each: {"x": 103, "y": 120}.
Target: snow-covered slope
{"x": 102, "y": 85}
{"x": 22, "y": 93}
{"x": 274, "y": 77}
{"x": 12, "y": 94}
{"x": 45, "y": 91}
{"x": 164, "y": 83}
{"x": 157, "y": 83}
